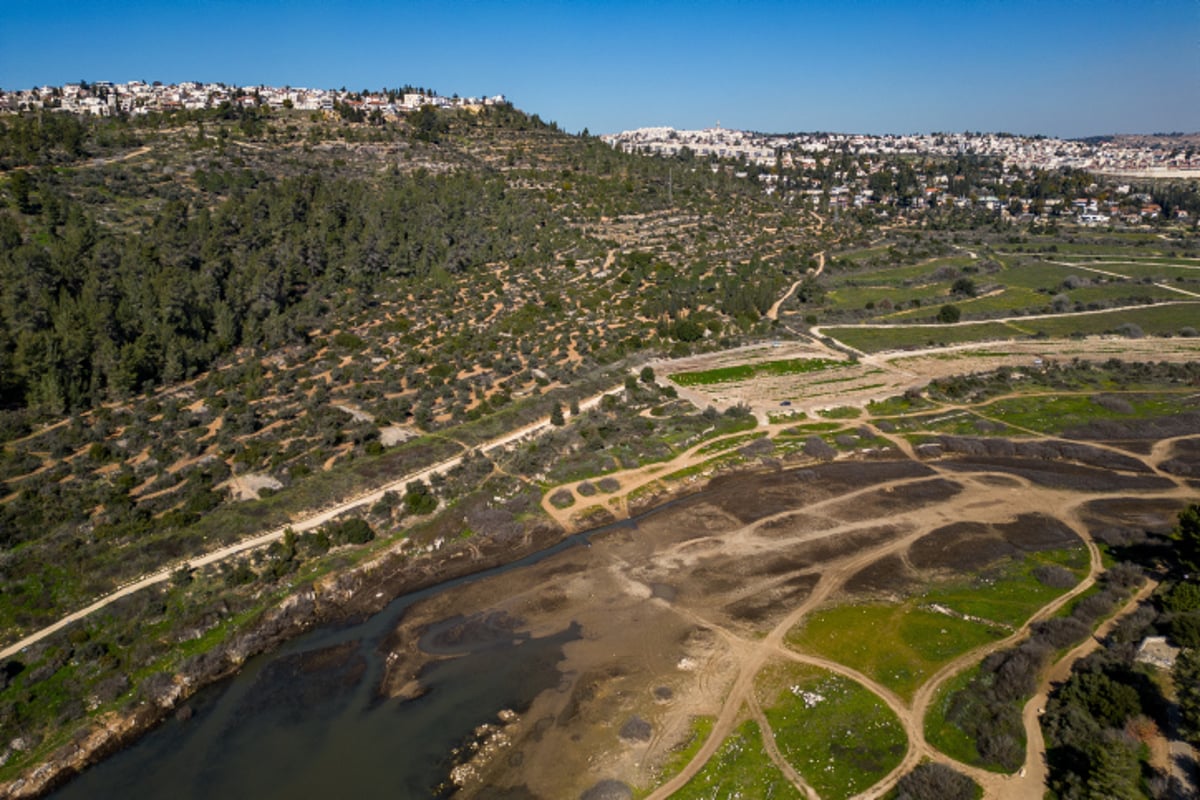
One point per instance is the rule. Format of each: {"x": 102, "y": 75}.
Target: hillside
{"x": 423, "y": 342}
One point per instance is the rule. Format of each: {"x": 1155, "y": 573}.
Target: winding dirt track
{"x": 754, "y": 654}
{"x": 305, "y": 523}
{"x": 773, "y": 312}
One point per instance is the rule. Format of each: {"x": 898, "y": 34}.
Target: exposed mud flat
{"x": 666, "y": 608}
{"x": 1061, "y": 475}
{"x": 577, "y": 676}
{"x": 1183, "y": 424}
{"x": 1184, "y": 459}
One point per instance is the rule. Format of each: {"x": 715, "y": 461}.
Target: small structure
{"x": 1156, "y": 651}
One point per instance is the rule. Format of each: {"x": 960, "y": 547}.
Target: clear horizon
{"x": 1065, "y": 69}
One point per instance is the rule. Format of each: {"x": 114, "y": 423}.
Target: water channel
{"x": 307, "y": 721}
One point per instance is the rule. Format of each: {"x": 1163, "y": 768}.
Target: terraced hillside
{"x": 262, "y": 371}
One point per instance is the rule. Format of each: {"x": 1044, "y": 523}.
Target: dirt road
{"x": 752, "y": 655}
{"x": 773, "y": 312}
{"x": 305, "y": 523}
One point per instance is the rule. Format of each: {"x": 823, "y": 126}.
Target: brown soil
{"x": 1059, "y": 475}
{"x": 893, "y": 500}
{"x": 890, "y": 576}
{"x": 1148, "y": 514}
{"x": 1185, "y": 458}
{"x": 678, "y": 611}
{"x": 960, "y": 546}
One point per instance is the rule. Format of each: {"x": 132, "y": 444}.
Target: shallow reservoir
{"x": 307, "y": 720}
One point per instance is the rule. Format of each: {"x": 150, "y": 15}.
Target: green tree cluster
{"x": 88, "y": 313}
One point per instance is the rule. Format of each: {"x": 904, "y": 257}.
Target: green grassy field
{"x": 1141, "y": 244}
{"x": 930, "y": 295}
{"x": 841, "y": 412}
{"x": 740, "y": 769}
{"x": 897, "y": 406}
{"x": 1154, "y": 320}
{"x": 1006, "y": 302}
{"x": 900, "y": 646}
{"x": 922, "y": 273}
{"x": 955, "y": 423}
{"x": 701, "y": 728}
{"x": 897, "y": 337}
{"x": 730, "y": 443}
{"x": 742, "y": 372}
{"x": 1122, "y": 294}
{"x": 1041, "y": 275}
{"x": 1155, "y": 270}
{"x": 1011, "y": 595}
{"x": 839, "y": 736}
{"x": 812, "y": 427}
{"x": 1057, "y": 414}
{"x": 1161, "y": 320}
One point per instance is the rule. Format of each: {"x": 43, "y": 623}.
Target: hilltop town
{"x": 1097, "y": 183}
{"x": 1164, "y": 156}
{"x": 830, "y": 171}
{"x": 105, "y": 98}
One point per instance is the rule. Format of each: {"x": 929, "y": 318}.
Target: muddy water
{"x": 606, "y": 652}
{"x": 308, "y": 720}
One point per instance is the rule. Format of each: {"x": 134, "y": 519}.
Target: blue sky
{"x": 1064, "y": 68}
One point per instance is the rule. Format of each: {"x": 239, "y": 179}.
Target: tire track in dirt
{"x": 911, "y": 717}
{"x": 772, "y": 748}
{"x": 772, "y": 645}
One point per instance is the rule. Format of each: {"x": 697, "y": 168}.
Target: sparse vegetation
{"x": 840, "y": 737}
{"x": 277, "y": 311}
{"x": 740, "y": 766}
{"x": 743, "y": 372}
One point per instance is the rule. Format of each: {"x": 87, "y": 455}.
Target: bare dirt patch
{"x": 1049, "y": 450}
{"x": 969, "y": 546}
{"x": 766, "y": 607}
{"x": 1136, "y": 513}
{"x": 395, "y": 434}
{"x": 1034, "y": 532}
{"x": 890, "y": 576}
{"x": 1182, "y": 424}
{"x": 1060, "y": 475}
{"x": 791, "y": 525}
{"x": 250, "y": 485}
{"x": 959, "y": 547}
{"x": 753, "y": 497}
{"x": 893, "y": 500}
{"x": 1185, "y": 458}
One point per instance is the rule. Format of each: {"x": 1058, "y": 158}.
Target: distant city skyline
{"x": 1066, "y": 69}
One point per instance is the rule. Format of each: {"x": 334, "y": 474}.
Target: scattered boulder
{"x": 608, "y": 789}
{"x": 636, "y": 729}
